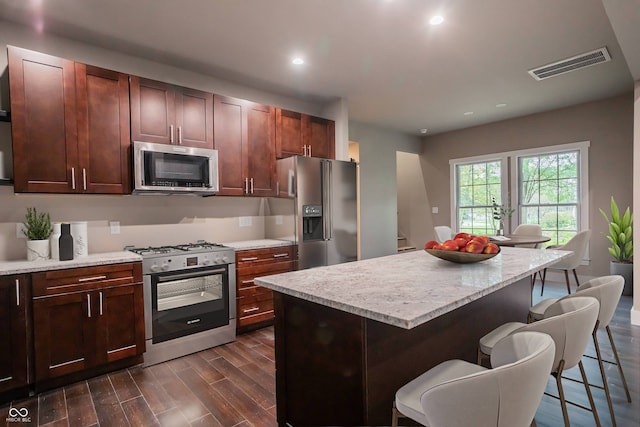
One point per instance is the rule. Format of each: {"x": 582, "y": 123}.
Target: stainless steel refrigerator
{"x": 325, "y": 208}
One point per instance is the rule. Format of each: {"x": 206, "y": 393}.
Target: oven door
{"x": 186, "y": 302}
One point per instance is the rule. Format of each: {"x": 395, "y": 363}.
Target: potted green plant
{"x": 37, "y": 229}
{"x": 621, "y": 238}
{"x": 499, "y": 212}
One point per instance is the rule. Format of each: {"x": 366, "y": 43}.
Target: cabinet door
{"x": 261, "y": 147}
{"x": 319, "y": 134}
{"x": 64, "y": 334}
{"x": 229, "y": 131}
{"x": 43, "y": 123}
{"x": 152, "y": 111}
{"x": 194, "y": 118}
{"x": 288, "y": 134}
{"x": 14, "y": 333}
{"x": 103, "y": 130}
{"x": 121, "y": 323}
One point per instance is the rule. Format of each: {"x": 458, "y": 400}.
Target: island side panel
{"x": 319, "y": 364}
{"x": 395, "y": 356}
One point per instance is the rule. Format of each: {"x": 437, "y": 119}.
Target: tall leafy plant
{"x": 620, "y": 233}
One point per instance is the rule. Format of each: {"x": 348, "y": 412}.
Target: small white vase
{"x": 37, "y": 250}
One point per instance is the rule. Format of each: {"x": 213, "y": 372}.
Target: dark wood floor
{"x": 234, "y": 385}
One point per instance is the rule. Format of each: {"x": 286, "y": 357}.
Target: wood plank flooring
{"x": 234, "y": 385}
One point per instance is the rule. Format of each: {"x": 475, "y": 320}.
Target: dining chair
{"x": 570, "y": 323}
{"x": 607, "y": 290}
{"x": 528, "y": 230}
{"x": 458, "y": 393}
{"x": 443, "y": 232}
{"x": 578, "y": 245}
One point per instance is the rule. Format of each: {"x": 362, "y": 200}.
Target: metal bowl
{"x": 460, "y": 257}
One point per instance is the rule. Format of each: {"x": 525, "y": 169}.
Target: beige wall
{"x": 635, "y": 311}
{"x": 414, "y": 210}
{"x": 607, "y": 124}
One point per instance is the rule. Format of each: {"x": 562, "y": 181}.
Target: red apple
{"x": 461, "y": 241}
{"x": 463, "y": 235}
{"x": 474, "y": 247}
{"x": 484, "y": 239}
{"x": 449, "y": 245}
{"x": 430, "y": 244}
{"x": 491, "y": 248}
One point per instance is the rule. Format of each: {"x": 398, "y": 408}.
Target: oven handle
{"x": 190, "y": 275}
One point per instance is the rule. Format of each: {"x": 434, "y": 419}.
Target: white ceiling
{"x": 382, "y": 56}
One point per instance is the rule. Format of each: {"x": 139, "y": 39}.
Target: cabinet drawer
{"x": 253, "y": 293}
{"x": 266, "y": 255}
{"x": 247, "y": 280}
{"x": 255, "y": 307}
{"x": 85, "y": 278}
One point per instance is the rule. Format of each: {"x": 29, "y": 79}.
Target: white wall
{"x": 414, "y": 210}
{"x": 635, "y": 311}
{"x": 378, "y": 190}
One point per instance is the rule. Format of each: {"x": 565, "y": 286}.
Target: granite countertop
{"x": 411, "y": 288}
{"x": 258, "y": 244}
{"x": 20, "y": 267}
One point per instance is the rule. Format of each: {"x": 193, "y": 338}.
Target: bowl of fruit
{"x": 464, "y": 248}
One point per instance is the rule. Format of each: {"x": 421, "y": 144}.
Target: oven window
{"x": 181, "y": 293}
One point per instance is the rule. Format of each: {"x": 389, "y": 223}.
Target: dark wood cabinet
{"x": 86, "y": 317}
{"x": 15, "y": 352}
{"x": 299, "y": 134}
{"x": 255, "y": 303}
{"x": 245, "y": 140}
{"x": 70, "y": 125}
{"x": 166, "y": 114}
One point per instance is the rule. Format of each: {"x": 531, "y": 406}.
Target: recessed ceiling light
{"x": 436, "y": 20}
{"x": 297, "y": 61}
{"x": 501, "y": 105}
{"x": 468, "y": 113}
{"x": 423, "y": 131}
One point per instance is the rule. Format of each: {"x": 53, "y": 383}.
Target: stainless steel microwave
{"x": 170, "y": 169}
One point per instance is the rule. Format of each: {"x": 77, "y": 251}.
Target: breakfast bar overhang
{"x": 348, "y": 336}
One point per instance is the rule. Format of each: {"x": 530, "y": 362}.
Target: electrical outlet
{"x": 244, "y": 221}
{"x": 434, "y": 210}
{"x": 278, "y": 219}
{"x": 20, "y": 228}
{"x": 115, "y": 227}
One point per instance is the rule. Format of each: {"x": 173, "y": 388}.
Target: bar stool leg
{"x": 543, "y": 277}
{"x": 588, "y": 388}
{"x": 615, "y": 354}
{"x": 604, "y": 377}
{"x": 566, "y": 277}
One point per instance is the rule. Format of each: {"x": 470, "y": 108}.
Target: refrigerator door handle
{"x": 326, "y": 200}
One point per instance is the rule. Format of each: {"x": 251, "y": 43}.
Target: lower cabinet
{"x": 86, "y": 317}
{"x": 15, "y": 333}
{"x": 255, "y": 303}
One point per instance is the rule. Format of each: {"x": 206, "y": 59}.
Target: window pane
{"x": 476, "y": 185}
{"x": 530, "y": 193}
{"x": 568, "y": 165}
{"x": 494, "y": 174}
{"x": 479, "y": 174}
{"x": 568, "y": 190}
{"x": 465, "y": 196}
{"x": 567, "y": 218}
{"x": 548, "y": 192}
{"x": 464, "y": 175}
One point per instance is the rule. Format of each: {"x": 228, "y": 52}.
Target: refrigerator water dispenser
{"x": 311, "y": 222}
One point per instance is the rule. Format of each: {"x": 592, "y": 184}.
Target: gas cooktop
{"x": 198, "y": 247}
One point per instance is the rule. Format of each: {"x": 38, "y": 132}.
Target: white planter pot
{"x": 37, "y": 250}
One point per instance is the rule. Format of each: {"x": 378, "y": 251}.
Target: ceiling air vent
{"x": 571, "y": 64}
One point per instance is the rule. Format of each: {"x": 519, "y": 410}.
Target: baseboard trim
{"x": 635, "y": 316}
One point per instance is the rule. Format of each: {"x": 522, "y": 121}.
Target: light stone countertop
{"x": 20, "y": 267}
{"x": 411, "y": 288}
{"x": 258, "y": 244}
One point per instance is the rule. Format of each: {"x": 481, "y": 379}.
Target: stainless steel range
{"x": 189, "y": 295}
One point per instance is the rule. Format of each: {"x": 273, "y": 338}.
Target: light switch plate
{"x": 115, "y": 227}
{"x": 244, "y": 221}
{"x": 434, "y": 209}
{"x": 278, "y": 219}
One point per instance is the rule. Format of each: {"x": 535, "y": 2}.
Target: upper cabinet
{"x": 245, "y": 140}
{"x": 299, "y": 134}
{"x": 167, "y": 114}
{"x": 70, "y": 125}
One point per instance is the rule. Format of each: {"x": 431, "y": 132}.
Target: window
{"x": 477, "y": 185}
{"x": 548, "y": 185}
{"x": 548, "y": 188}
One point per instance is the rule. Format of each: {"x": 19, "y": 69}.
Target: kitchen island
{"x": 348, "y": 336}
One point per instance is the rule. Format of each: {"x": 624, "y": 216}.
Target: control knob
{"x": 206, "y": 261}
{"x": 225, "y": 259}
{"x": 218, "y": 261}
{"x": 154, "y": 268}
{"x": 165, "y": 267}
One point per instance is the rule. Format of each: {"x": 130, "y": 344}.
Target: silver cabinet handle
{"x": 88, "y": 305}
{"x": 244, "y": 282}
{"x": 180, "y": 135}
{"x": 246, "y": 186}
{"x": 84, "y": 179}
{"x": 171, "y": 134}
{"x": 249, "y": 310}
{"x": 100, "y": 296}
{"x": 310, "y": 150}
{"x": 88, "y": 279}
{"x": 251, "y": 185}
{"x": 253, "y": 258}
{"x": 73, "y": 178}
{"x": 280, "y": 255}
{"x": 17, "y": 292}
{"x": 304, "y": 150}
